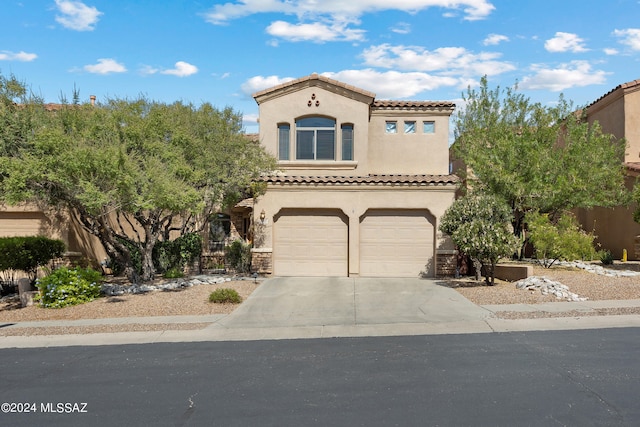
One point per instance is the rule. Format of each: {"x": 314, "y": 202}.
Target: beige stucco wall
{"x": 619, "y": 114}
{"x": 412, "y": 154}
{"x": 286, "y": 109}
{"x": 353, "y": 200}
{"x": 614, "y": 227}
{"x": 30, "y": 220}
{"x": 632, "y": 125}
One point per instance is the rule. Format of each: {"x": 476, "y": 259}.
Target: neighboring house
{"x": 361, "y": 187}
{"x": 618, "y": 113}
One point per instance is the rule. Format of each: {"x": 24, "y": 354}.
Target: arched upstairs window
{"x": 316, "y": 138}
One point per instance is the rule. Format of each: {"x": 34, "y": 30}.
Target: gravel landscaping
{"x": 588, "y": 285}
{"x": 171, "y": 301}
{"x": 178, "y": 298}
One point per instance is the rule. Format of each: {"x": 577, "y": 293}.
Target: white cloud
{"x": 565, "y": 42}
{"x": 340, "y": 9}
{"x": 333, "y": 20}
{"x": 494, "y": 39}
{"x": 182, "y": 69}
{"x": 386, "y": 85}
{"x": 611, "y": 51}
{"x": 250, "y": 119}
{"x": 448, "y": 60}
{"x": 401, "y": 28}
{"x": 76, "y": 15}
{"x": 21, "y": 56}
{"x": 315, "y": 32}
{"x": 393, "y": 84}
{"x": 148, "y": 70}
{"x": 630, "y": 37}
{"x": 258, "y": 83}
{"x": 105, "y": 66}
{"x": 573, "y": 74}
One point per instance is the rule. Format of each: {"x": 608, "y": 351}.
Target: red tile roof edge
{"x": 369, "y": 179}
{"x": 634, "y": 166}
{"x": 623, "y": 86}
{"x": 404, "y": 104}
{"x": 311, "y": 77}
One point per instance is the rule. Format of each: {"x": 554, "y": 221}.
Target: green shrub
{"x": 238, "y": 256}
{"x": 225, "y": 295}
{"x": 480, "y": 227}
{"x": 66, "y": 286}
{"x": 606, "y": 258}
{"x": 178, "y": 253}
{"x": 28, "y": 253}
{"x": 564, "y": 240}
{"x": 173, "y": 273}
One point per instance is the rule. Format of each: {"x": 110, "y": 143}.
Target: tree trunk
{"x": 477, "y": 266}
{"x": 148, "y": 269}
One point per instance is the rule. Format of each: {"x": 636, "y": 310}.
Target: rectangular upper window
{"x": 315, "y": 138}
{"x": 428, "y": 127}
{"x": 347, "y": 142}
{"x": 391, "y": 127}
{"x": 283, "y": 141}
{"x": 409, "y": 127}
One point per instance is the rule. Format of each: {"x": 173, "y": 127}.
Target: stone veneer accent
{"x": 446, "y": 262}
{"x": 261, "y": 261}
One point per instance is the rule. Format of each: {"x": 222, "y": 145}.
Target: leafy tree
{"x": 479, "y": 226}
{"x": 132, "y": 172}
{"x": 636, "y": 200}
{"x": 564, "y": 240}
{"x": 537, "y": 158}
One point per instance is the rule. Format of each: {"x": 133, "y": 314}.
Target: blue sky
{"x": 223, "y": 51}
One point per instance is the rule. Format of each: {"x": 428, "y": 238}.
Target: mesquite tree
{"x": 536, "y": 157}
{"x": 130, "y": 171}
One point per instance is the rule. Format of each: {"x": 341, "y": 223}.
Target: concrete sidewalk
{"x": 294, "y": 308}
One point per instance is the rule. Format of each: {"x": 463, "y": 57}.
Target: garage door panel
{"x": 308, "y": 244}
{"x": 396, "y": 244}
{"x": 22, "y": 224}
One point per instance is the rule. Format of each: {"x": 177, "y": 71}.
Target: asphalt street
{"x": 575, "y": 378}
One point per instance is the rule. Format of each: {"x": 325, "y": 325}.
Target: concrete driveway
{"x": 322, "y": 301}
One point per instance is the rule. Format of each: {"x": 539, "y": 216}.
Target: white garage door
{"x": 396, "y": 244}
{"x": 22, "y": 224}
{"x": 310, "y": 243}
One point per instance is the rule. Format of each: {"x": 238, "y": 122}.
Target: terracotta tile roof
{"x": 369, "y": 179}
{"x": 633, "y": 166}
{"x": 623, "y": 86}
{"x": 245, "y": 203}
{"x": 412, "y": 104}
{"x": 311, "y": 78}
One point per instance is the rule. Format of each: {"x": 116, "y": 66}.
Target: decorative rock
{"x": 598, "y": 269}
{"x": 112, "y": 289}
{"x": 548, "y": 286}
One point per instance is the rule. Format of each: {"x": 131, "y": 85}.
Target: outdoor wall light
{"x": 263, "y": 215}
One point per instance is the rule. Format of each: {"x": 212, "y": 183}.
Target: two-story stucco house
{"x": 618, "y": 113}
{"x": 361, "y": 187}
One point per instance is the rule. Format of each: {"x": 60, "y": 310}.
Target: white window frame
{"x": 314, "y": 130}
{"x": 391, "y": 127}
{"x": 431, "y": 124}
{"x": 410, "y": 126}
